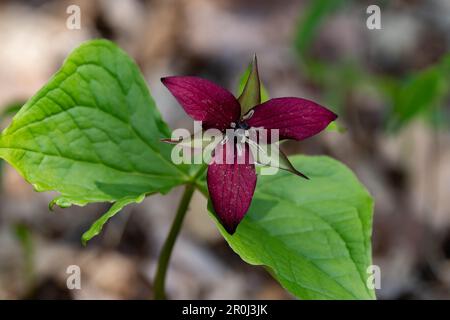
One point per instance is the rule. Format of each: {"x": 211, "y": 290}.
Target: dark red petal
{"x": 204, "y": 101}
{"x": 296, "y": 118}
{"x": 231, "y": 186}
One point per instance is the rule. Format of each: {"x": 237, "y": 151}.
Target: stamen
{"x": 248, "y": 115}
{"x": 239, "y": 149}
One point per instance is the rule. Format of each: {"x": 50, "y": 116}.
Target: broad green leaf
{"x": 313, "y": 235}
{"x": 92, "y": 133}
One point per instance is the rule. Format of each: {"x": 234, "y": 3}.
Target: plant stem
{"x": 164, "y": 257}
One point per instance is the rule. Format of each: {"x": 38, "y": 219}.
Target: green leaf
{"x": 92, "y": 133}
{"x": 313, "y": 235}
{"x": 97, "y": 226}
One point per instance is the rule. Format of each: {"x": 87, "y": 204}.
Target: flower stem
{"x": 163, "y": 262}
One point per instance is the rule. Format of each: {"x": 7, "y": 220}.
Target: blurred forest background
{"x": 390, "y": 88}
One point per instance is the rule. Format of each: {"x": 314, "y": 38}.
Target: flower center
{"x": 240, "y": 132}
{"x": 241, "y": 125}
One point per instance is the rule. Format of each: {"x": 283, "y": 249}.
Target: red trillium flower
{"x": 231, "y": 185}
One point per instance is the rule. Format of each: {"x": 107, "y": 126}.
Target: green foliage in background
{"x": 421, "y": 93}
{"x": 11, "y": 109}
{"x": 312, "y": 18}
